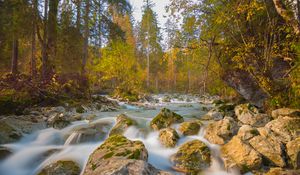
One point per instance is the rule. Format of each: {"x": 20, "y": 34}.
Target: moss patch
{"x": 123, "y": 122}
{"x": 190, "y": 128}
{"x": 192, "y": 156}
{"x": 165, "y": 118}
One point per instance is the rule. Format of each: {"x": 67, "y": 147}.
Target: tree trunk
{"x": 52, "y": 27}
{"x": 86, "y": 37}
{"x": 298, "y": 10}
{"x": 287, "y": 15}
{"x": 33, "y": 70}
{"x": 100, "y": 30}
{"x": 44, "y": 44}
{"x": 14, "y": 62}
{"x": 78, "y": 14}
{"x": 148, "y": 68}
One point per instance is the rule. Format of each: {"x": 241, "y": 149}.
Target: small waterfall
{"x": 74, "y": 138}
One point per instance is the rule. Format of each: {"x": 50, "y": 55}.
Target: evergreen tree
{"x": 149, "y": 41}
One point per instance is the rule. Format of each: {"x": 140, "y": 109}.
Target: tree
{"x": 149, "y": 41}
{"x": 85, "y": 36}
{"x": 288, "y": 15}
{"x": 33, "y": 69}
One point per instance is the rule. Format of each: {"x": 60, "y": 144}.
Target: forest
{"x": 238, "y": 59}
{"x": 75, "y": 48}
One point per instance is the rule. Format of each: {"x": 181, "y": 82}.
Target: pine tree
{"x": 149, "y": 41}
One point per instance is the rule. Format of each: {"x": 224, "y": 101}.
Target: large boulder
{"x": 226, "y": 109}
{"x": 58, "y": 120}
{"x": 280, "y": 171}
{"x": 118, "y": 166}
{"x": 239, "y": 154}
{"x": 61, "y": 168}
{"x": 94, "y": 132}
{"x": 269, "y": 146}
{"x": 48, "y": 111}
{"x": 222, "y": 131}
{"x": 116, "y": 146}
{"x": 190, "y": 127}
{"x": 248, "y": 114}
{"x": 285, "y": 128}
{"x": 247, "y": 132}
{"x": 123, "y": 122}
{"x": 245, "y": 85}
{"x": 285, "y": 112}
{"x": 293, "y": 151}
{"x": 213, "y": 114}
{"x": 191, "y": 157}
{"x": 165, "y": 119}
{"x": 168, "y": 137}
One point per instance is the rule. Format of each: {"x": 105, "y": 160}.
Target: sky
{"x": 159, "y": 8}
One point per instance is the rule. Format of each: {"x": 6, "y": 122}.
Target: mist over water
{"x": 41, "y": 148}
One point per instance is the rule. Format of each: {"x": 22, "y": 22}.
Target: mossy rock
{"x": 166, "y": 99}
{"x": 117, "y": 146}
{"x": 218, "y": 102}
{"x": 118, "y": 166}
{"x": 190, "y": 127}
{"x": 61, "y": 168}
{"x": 226, "y": 107}
{"x": 247, "y": 132}
{"x": 80, "y": 109}
{"x": 168, "y": 137}
{"x": 239, "y": 154}
{"x": 281, "y": 171}
{"x": 91, "y": 117}
{"x": 248, "y": 114}
{"x": 165, "y": 119}
{"x": 192, "y": 157}
{"x": 123, "y": 122}
{"x": 222, "y": 131}
{"x": 287, "y": 128}
{"x": 8, "y": 134}
{"x": 293, "y": 113}
{"x": 293, "y": 152}
{"x": 4, "y": 153}
{"x": 58, "y": 121}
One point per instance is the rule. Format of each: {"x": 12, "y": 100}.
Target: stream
{"x": 36, "y": 150}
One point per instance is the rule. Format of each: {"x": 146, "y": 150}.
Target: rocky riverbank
{"x": 252, "y": 141}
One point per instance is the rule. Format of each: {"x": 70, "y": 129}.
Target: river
{"x": 36, "y": 150}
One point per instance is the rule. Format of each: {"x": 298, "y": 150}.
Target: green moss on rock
{"x": 165, "y": 118}
{"x": 61, "y": 167}
{"x": 192, "y": 157}
{"x": 190, "y": 127}
{"x": 122, "y": 123}
{"x": 8, "y": 134}
{"x": 80, "y": 109}
{"x": 117, "y": 146}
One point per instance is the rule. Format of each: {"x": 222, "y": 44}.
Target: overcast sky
{"x": 159, "y": 8}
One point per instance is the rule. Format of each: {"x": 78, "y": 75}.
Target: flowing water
{"x": 77, "y": 141}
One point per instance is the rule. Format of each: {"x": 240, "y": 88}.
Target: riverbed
{"x": 36, "y": 150}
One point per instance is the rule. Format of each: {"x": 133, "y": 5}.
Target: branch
{"x": 287, "y": 15}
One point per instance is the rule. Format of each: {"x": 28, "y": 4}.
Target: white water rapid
{"x": 77, "y": 141}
